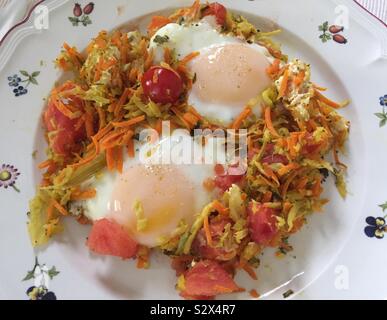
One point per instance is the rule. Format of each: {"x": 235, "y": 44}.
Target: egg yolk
{"x": 165, "y": 194}
{"x": 230, "y": 74}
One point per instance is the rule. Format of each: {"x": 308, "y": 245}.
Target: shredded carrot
{"x": 297, "y": 224}
{"x": 302, "y": 183}
{"x": 125, "y": 138}
{"x": 149, "y": 60}
{"x": 286, "y": 207}
{"x": 156, "y": 23}
{"x": 311, "y": 125}
{"x": 207, "y": 230}
{"x": 191, "y": 118}
{"x": 292, "y": 142}
{"x": 273, "y": 69}
{"x": 119, "y": 159}
{"x": 76, "y": 57}
{"x": 319, "y": 88}
{"x": 317, "y": 189}
{"x": 59, "y": 207}
{"x": 286, "y": 169}
{"x": 65, "y": 110}
{"x": 143, "y": 257}
{"x": 241, "y": 117}
{"x": 270, "y": 174}
{"x": 89, "y": 121}
{"x": 275, "y": 53}
{"x": 130, "y": 122}
{"x": 254, "y": 294}
{"x": 220, "y": 207}
{"x": 336, "y": 156}
{"x": 249, "y": 270}
{"x": 158, "y": 126}
{"x": 189, "y": 57}
{"x": 284, "y": 84}
{"x": 102, "y": 132}
{"x": 50, "y": 211}
{"x": 180, "y": 115}
{"x": 83, "y": 195}
{"x": 327, "y": 101}
{"x": 130, "y": 147}
{"x": 45, "y": 164}
{"x": 84, "y": 160}
{"x": 267, "y": 196}
{"x": 80, "y": 122}
{"x": 110, "y": 161}
{"x": 269, "y": 123}
{"x": 326, "y": 125}
{"x": 192, "y": 110}
{"x": 111, "y": 139}
{"x": 167, "y": 55}
{"x": 288, "y": 181}
{"x": 299, "y": 78}
{"x": 133, "y": 73}
{"x": 121, "y": 101}
{"x": 100, "y": 42}
{"x": 98, "y": 70}
{"x": 194, "y": 10}
{"x": 102, "y": 117}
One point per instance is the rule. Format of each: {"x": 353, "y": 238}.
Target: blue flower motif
{"x": 19, "y": 91}
{"x": 383, "y": 100}
{"x": 14, "y": 80}
{"x": 40, "y": 293}
{"x": 20, "y": 82}
{"x": 376, "y": 228}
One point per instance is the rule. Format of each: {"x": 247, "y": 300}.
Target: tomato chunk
{"x": 225, "y": 180}
{"x": 201, "y": 248}
{"x": 162, "y": 85}
{"x": 107, "y": 237}
{"x": 271, "y": 157}
{"x": 218, "y": 10}
{"x": 208, "y": 278}
{"x": 68, "y": 133}
{"x": 262, "y": 223}
{"x": 311, "y": 147}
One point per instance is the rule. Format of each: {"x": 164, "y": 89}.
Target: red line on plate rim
{"x": 27, "y": 17}
{"x": 41, "y": 1}
{"x": 365, "y": 9}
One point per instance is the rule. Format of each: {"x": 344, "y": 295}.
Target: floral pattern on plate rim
{"x": 42, "y": 275}
{"x": 81, "y": 15}
{"x": 8, "y": 176}
{"x": 20, "y": 82}
{"x": 331, "y": 32}
{"x": 382, "y": 115}
{"x": 377, "y": 227}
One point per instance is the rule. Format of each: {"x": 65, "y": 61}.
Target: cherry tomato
{"x": 162, "y": 85}
{"x": 218, "y": 10}
{"x": 262, "y": 223}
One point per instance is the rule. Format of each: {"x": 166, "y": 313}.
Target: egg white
{"x": 203, "y": 36}
{"x": 103, "y": 203}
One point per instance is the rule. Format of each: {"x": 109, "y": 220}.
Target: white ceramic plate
{"x": 334, "y": 256}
